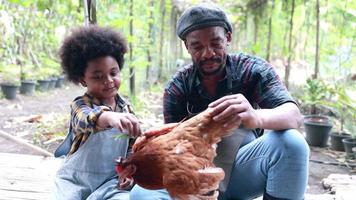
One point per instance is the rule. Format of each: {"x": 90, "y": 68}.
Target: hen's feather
{"x": 182, "y": 159}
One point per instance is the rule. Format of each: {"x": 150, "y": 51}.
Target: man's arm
{"x": 285, "y": 116}
{"x": 237, "y": 109}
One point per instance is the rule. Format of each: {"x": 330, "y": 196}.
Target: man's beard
{"x": 217, "y": 71}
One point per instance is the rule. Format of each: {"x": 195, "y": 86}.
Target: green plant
{"x": 44, "y": 73}
{"x": 28, "y": 72}
{"x": 350, "y": 125}
{"x": 316, "y": 92}
{"x": 11, "y": 74}
{"x": 52, "y": 65}
{"x": 343, "y": 107}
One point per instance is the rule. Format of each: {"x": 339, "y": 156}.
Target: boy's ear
{"x": 82, "y": 82}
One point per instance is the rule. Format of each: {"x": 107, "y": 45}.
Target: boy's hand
{"x": 120, "y": 121}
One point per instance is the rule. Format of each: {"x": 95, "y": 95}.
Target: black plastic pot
{"x": 42, "y": 85}
{"x": 59, "y": 82}
{"x": 52, "y": 83}
{"x": 336, "y": 141}
{"x": 9, "y": 90}
{"x": 317, "y": 129}
{"x": 27, "y": 87}
{"x": 350, "y": 146}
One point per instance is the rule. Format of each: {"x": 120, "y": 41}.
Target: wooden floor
{"x": 26, "y": 176}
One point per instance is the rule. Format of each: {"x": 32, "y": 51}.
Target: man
{"x": 247, "y": 91}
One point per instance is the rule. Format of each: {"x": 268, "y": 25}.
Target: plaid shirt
{"x": 253, "y": 77}
{"x": 85, "y": 110}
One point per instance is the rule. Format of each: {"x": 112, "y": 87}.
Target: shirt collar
{"x": 95, "y": 101}
{"x": 228, "y": 69}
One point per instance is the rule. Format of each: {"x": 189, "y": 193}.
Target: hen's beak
{"x": 119, "y": 168}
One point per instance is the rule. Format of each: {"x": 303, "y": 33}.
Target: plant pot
{"x": 59, "y": 82}
{"x": 350, "y": 144}
{"x": 317, "y": 129}
{"x": 42, "y": 85}
{"x": 9, "y": 90}
{"x": 52, "y": 83}
{"x": 336, "y": 141}
{"x": 27, "y": 87}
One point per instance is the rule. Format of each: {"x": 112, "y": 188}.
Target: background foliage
{"x": 281, "y": 31}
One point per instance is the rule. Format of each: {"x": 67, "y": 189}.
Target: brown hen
{"x": 178, "y": 157}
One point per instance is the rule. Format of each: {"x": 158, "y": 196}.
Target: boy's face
{"x": 102, "y": 78}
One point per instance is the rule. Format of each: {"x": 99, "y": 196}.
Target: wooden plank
{"x": 27, "y": 176}
{"x": 24, "y": 144}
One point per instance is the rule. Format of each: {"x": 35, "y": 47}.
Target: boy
{"x": 94, "y": 56}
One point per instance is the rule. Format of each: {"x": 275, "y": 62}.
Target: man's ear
{"x": 185, "y": 44}
{"x": 228, "y": 37}
{"x": 83, "y": 83}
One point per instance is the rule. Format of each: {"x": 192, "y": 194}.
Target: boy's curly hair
{"x": 88, "y": 43}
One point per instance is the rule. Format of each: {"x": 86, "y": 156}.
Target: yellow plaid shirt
{"x": 85, "y": 110}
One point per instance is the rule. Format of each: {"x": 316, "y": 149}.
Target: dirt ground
{"x": 55, "y": 104}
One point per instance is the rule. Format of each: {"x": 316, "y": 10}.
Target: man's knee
{"x": 292, "y": 142}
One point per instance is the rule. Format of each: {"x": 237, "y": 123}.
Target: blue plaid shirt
{"x": 251, "y": 76}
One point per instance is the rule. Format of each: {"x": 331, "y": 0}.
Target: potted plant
{"x": 51, "y": 68}
{"x": 350, "y": 143}
{"x": 43, "y": 79}
{"x": 317, "y": 126}
{"x": 60, "y": 81}
{"x": 28, "y": 80}
{"x": 10, "y": 81}
{"x": 342, "y": 107}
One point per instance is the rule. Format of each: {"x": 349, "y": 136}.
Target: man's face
{"x": 207, "y": 47}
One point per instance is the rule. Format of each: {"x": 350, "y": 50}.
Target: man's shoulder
{"x": 182, "y": 77}
{"x": 247, "y": 59}
{"x": 248, "y": 64}
{"x": 183, "y": 73}
{"x": 185, "y": 70}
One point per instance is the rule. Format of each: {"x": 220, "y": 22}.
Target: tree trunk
{"x": 174, "y": 38}
{"x": 86, "y": 12}
{"x": 255, "y": 35}
{"x": 161, "y": 43}
{"x": 92, "y": 12}
{"x": 306, "y": 39}
{"x": 132, "y": 70}
{"x": 290, "y": 53}
{"x": 150, "y": 42}
{"x": 316, "y": 69}
{"x": 89, "y": 12}
{"x": 268, "y": 56}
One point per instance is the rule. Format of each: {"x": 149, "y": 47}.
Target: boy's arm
{"x": 120, "y": 121}
{"x": 84, "y": 118}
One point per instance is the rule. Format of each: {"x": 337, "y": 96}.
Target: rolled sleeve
{"x": 270, "y": 92}
{"x": 84, "y": 117}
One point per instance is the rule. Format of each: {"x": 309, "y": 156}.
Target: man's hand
{"x": 235, "y": 109}
{"x": 120, "y": 121}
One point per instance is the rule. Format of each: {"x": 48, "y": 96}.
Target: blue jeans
{"x": 276, "y": 163}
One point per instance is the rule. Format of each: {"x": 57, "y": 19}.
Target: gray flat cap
{"x": 201, "y": 16}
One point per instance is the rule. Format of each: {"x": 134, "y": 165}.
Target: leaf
{"x": 121, "y": 136}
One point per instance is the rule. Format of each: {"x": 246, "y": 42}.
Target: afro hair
{"x": 88, "y": 43}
